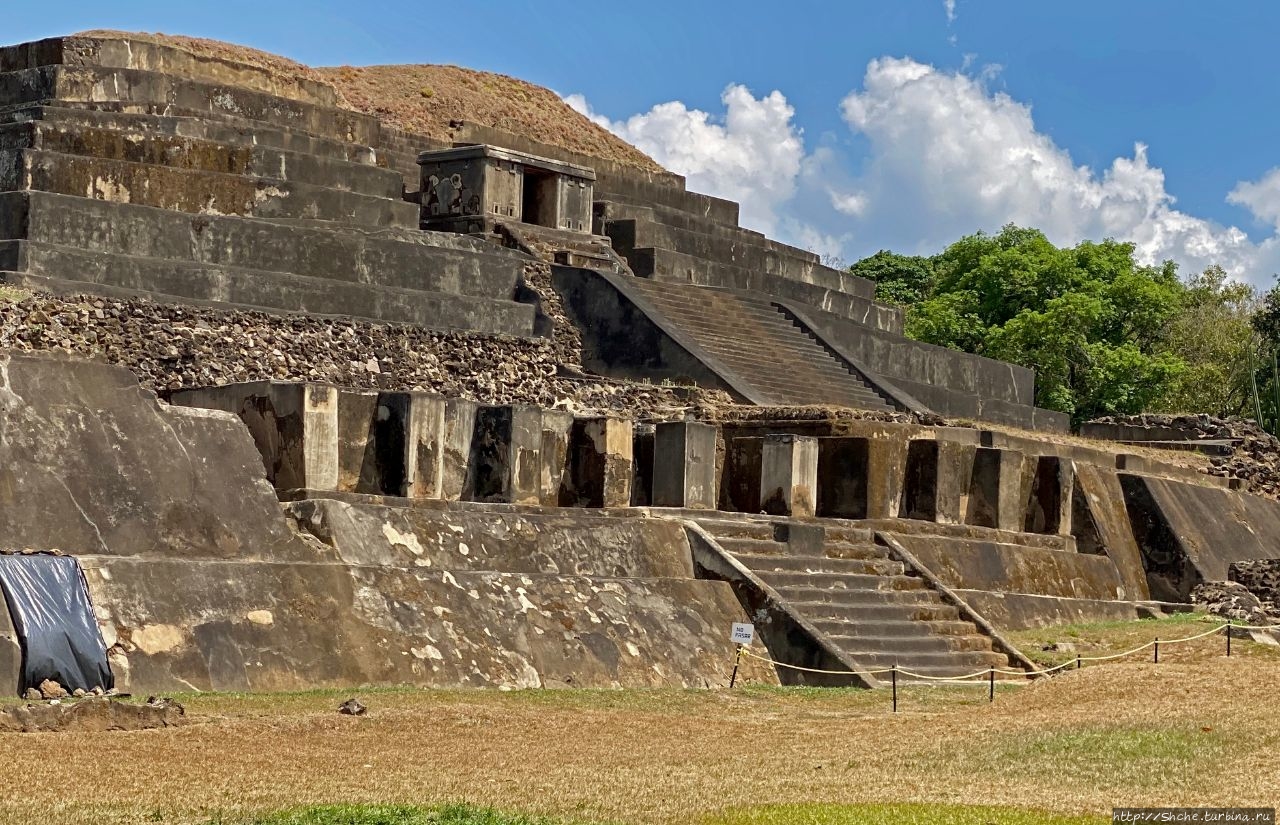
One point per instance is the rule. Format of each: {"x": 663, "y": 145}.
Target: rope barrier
{"x": 988, "y": 672}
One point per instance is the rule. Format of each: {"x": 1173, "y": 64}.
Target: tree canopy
{"x": 1104, "y": 334}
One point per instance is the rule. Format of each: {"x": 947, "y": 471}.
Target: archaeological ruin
{"x": 294, "y": 396}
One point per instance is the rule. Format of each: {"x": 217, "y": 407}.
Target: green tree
{"x": 1090, "y": 320}
{"x": 900, "y": 279}
{"x": 1214, "y": 335}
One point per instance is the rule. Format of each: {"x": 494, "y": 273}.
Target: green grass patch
{"x": 1121, "y": 757}
{"x": 906, "y": 814}
{"x": 385, "y": 815}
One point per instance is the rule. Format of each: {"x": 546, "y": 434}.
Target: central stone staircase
{"x": 864, "y": 601}
{"x": 782, "y": 363}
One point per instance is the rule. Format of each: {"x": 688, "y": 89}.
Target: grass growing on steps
{"x": 913, "y": 814}
{"x": 385, "y": 815}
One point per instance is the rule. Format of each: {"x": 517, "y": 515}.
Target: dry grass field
{"x": 1197, "y": 729}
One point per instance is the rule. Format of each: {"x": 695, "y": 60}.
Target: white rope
{"x": 965, "y": 678}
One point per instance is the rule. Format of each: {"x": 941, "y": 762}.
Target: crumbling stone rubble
{"x": 91, "y": 714}
{"x": 170, "y": 347}
{"x": 1233, "y": 601}
{"x": 1261, "y": 577}
{"x": 1255, "y": 458}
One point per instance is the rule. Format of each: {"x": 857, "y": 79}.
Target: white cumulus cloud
{"x": 948, "y": 157}
{"x": 751, "y": 154}
{"x": 945, "y": 157}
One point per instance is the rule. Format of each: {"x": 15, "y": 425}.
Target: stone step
{"x": 843, "y": 582}
{"x": 893, "y": 627}
{"x": 642, "y": 193}
{"x": 200, "y": 192}
{"x": 913, "y": 644}
{"x": 750, "y": 546}
{"x": 872, "y": 613}
{"x": 170, "y": 120}
{"x": 126, "y": 276}
{"x": 126, "y": 52}
{"x": 741, "y": 251}
{"x": 930, "y": 663}
{"x": 332, "y": 251}
{"x": 854, "y": 550}
{"x": 610, "y": 210}
{"x": 670, "y": 266}
{"x": 761, "y": 563}
{"x": 237, "y": 158}
{"x": 782, "y": 365}
{"x": 815, "y": 592}
{"x": 147, "y": 91}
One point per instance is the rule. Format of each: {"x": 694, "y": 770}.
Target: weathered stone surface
{"x": 567, "y": 541}
{"x": 1020, "y": 611}
{"x": 1191, "y": 534}
{"x": 601, "y": 463}
{"x": 50, "y": 689}
{"x": 506, "y": 456}
{"x": 90, "y": 715}
{"x": 987, "y": 564}
{"x": 1105, "y": 517}
{"x": 1260, "y": 577}
{"x": 789, "y": 476}
{"x": 184, "y": 626}
{"x": 684, "y": 465}
{"x": 118, "y": 474}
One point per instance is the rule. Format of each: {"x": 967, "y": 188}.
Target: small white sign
{"x": 743, "y": 633}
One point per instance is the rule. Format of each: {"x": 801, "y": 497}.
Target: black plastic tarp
{"x": 54, "y": 621}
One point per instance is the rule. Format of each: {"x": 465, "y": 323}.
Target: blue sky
{"x": 899, "y": 125}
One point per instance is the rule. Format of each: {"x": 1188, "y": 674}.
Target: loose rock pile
{"x": 1233, "y": 601}
{"x": 1260, "y": 577}
{"x": 1255, "y": 459}
{"x": 170, "y": 347}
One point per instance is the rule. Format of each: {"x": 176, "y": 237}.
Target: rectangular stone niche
{"x": 600, "y": 470}
{"x": 1048, "y": 481}
{"x": 920, "y": 493}
{"x": 506, "y": 456}
{"x": 294, "y": 426}
{"x": 842, "y": 477}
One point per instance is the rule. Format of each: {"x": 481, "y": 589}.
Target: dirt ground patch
{"x": 1199, "y": 729}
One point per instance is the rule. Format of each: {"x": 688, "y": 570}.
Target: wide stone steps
{"x": 930, "y": 663}
{"x": 911, "y": 644}
{"x": 895, "y": 628}
{"x": 856, "y": 582}
{"x": 200, "y": 154}
{"x": 877, "y": 614}
{"x": 157, "y": 92}
{"x": 202, "y": 192}
{"x": 763, "y": 564}
{"x": 609, "y": 210}
{"x": 173, "y": 123}
{"x": 723, "y": 245}
{"x": 69, "y": 271}
{"x": 783, "y": 365}
{"x": 815, "y": 592}
{"x": 669, "y": 266}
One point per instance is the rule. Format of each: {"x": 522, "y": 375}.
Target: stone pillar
{"x": 995, "y": 490}
{"x": 886, "y": 468}
{"x": 642, "y": 465}
{"x": 955, "y": 472}
{"x": 740, "y": 479}
{"x": 294, "y": 426}
{"x": 455, "y": 459}
{"x": 601, "y": 466}
{"x": 556, "y": 428}
{"x": 684, "y": 465}
{"x": 506, "y": 451}
{"x": 789, "y": 475}
{"x": 425, "y": 446}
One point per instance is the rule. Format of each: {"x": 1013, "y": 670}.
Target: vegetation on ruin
{"x": 1104, "y": 334}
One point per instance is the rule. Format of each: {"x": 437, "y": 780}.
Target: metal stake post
{"x": 737, "y": 660}
{"x": 991, "y": 688}
{"x": 1157, "y": 660}
{"x": 894, "y": 677}
{"x": 1228, "y": 637}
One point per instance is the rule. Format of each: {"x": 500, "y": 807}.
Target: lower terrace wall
{"x": 199, "y": 581}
